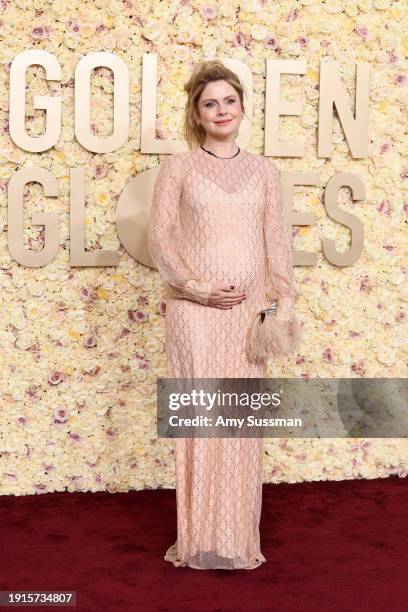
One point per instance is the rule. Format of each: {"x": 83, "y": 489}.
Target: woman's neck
{"x": 221, "y": 149}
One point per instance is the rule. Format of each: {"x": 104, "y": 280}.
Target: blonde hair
{"x": 203, "y": 73}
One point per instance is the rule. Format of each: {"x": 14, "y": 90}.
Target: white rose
{"x": 113, "y": 7}
{"x": 17, "y": 318}
{"x": 397, "y": 277}
{"x": 386, "y": 356}
{"x": 239, "y": 53}
{"x": 71, "y": 41}
{"x": 33, "y": 310}
{"x": 258, "y": 32}
{"x": 17, "y": 390}
{"x": 227, "y": 9}
{"x": 332, "y": 6}
{"x": 152, "y": 30}
{"x": 24, "y": 341}
{"x": 249, "y": 6}
{"x": 365, "y": 5}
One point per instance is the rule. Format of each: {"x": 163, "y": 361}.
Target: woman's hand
{"x": 224, "y": 296}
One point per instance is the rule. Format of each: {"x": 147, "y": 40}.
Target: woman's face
{"x": 220, "y": 101}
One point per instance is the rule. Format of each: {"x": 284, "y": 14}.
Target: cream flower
{"x": 152, "y": 30}
{"x": 258, "y": 32}
{"x": 239, "y": 53}
{"x": 71, "y": 41}
{"x": 17, "y": 156}
{"x": 17, "y": 318}
{"x": 35, "y": 309}
{"x": 333, "y": 6}
{"x": 17, "y": 390}
{"x": 386, "y": 356}
{"x": 181, "y": 53}
{"x": 24, "y": 340}
{"x": 226, "y": 9}
{"x": 365, "y": 5}
{"x": 113, "y": 7}
{"x": 209, "y": 48}
{"x": 396, "y": 277}
{"x": 249, "y": 6}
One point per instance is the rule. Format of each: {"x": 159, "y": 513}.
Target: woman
{"x": 218, "y": 239}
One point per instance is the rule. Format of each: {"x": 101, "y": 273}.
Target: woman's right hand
{"x": 225, "y": 296}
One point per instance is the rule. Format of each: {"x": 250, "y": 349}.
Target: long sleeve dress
{"x": 218, "y": 221}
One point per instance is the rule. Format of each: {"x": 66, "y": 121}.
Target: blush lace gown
{"x": 218, "y": 220}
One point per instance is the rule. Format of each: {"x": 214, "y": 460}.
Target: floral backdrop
{"x": 81, "y": 348}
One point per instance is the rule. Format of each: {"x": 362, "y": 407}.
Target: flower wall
{"x": 81, "y": 348}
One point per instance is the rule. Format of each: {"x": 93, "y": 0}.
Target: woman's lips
{"x": 221, "y": 122}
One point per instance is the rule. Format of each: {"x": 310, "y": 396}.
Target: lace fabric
{"x": 280, "y": 280}
{"x": 218, "y": 221}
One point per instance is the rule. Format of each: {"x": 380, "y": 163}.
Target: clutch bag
{"x": 269, "y": 336}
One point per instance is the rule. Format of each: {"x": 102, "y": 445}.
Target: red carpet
{"x": 329, "y": 546}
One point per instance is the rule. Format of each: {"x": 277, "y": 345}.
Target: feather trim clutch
{"x": 269, "y": 336}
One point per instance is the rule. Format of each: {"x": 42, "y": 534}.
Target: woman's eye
{"x": 230, "y": 100}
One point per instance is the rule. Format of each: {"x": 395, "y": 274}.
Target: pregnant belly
{"x": 239, "y": 266}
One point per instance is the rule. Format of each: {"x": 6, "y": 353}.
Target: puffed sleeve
{"x": 164, "y": 240}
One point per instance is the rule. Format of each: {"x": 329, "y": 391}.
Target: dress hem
{"x": 173, "y": 557}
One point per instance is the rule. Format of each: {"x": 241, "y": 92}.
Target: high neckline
{"x": 212, "y": 155}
